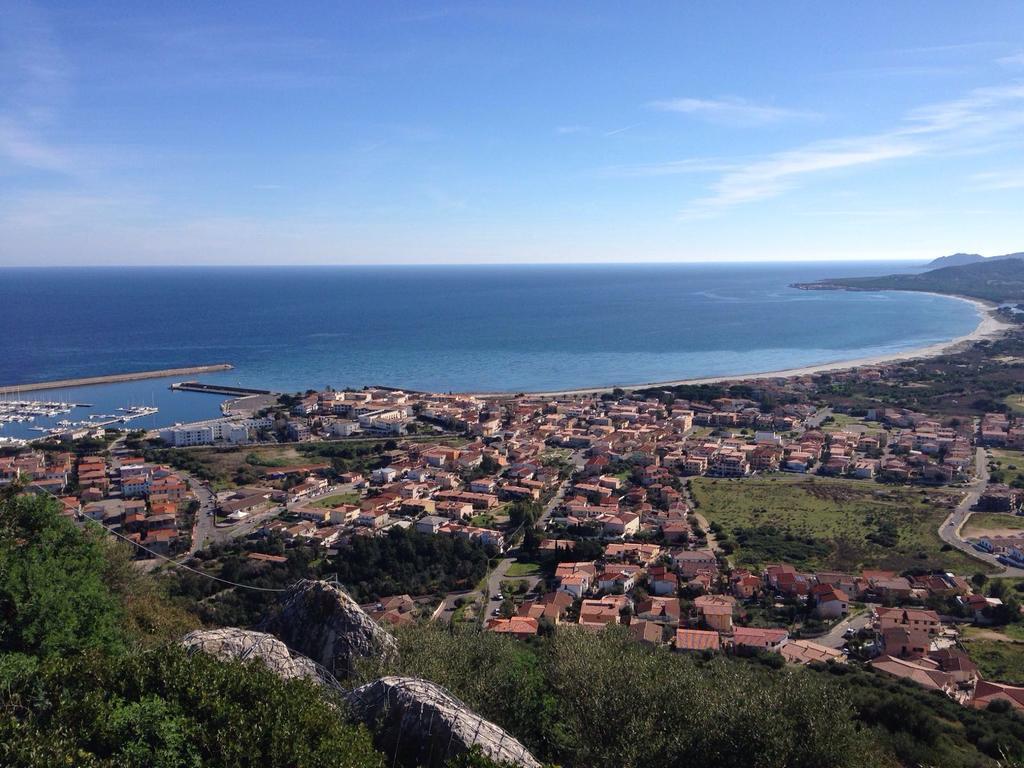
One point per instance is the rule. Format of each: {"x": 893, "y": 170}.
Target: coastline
{"x": 989, "y": 327}
{"x": 114, "y": 378}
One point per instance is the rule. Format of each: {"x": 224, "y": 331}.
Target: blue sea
{"x": 443, "y": 328}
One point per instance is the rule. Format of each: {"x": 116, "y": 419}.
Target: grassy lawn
{"x": 337, "y": 500}
{"x": 520, "y": 569}
{"x": 831, "y": 523}
{"x": 981, "y": 523}
{"x": 1016, "y": 403}
{"x": 999, "y": 661}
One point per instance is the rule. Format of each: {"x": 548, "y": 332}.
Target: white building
{"x": 234, "y": 431}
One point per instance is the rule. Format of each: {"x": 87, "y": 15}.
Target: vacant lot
{"x": 999, "y": 661}
{"x": 337, "y": 500}
{"x": 992, "y": 524}
{"x": 824, "y": 523}
{"x": 842, "y": 421}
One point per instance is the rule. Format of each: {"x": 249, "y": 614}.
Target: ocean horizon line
{"x": 481, "y": 264}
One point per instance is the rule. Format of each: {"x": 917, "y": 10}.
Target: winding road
{"x": 950, "y": 529}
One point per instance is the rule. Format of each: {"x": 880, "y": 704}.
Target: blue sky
{"x": 239, "y": 133}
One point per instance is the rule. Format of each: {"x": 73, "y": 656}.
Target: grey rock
{"x": 420, "y": 723}
{"x": 320, "y": 620}
{"x": 230, "y": 643}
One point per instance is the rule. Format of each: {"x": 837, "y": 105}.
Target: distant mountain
{"x": 962, "y": 259}
{"x": 1000, "y": 278}
{"x": 956, "y": 260}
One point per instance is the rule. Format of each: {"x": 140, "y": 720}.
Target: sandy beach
{"x": 989, "y": 327}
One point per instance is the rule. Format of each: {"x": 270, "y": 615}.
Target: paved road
{"x": 204, "y": 532}
{"x": 950, "y": 529}
{"x": 835, "y": 639}
{"x": 579, "y": 463}
{"x": 447, "y": 608}
{"x": 814, "y": 421}
{"x": 500, "y": 572}
{"x": 494, "y": 580}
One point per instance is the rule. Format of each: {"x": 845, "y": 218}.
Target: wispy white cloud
{"x": 569, "y": 130}
{"x": 965, "y": 124}
{"x": 671, "y": 168}
{"x": 623, "y": 129}
{"x": 994, "y": 180}
{"x": 26, "y": 148}
{"x": 731, "y": 110}
{"x": 1013, "y": 60}
{"x": 36, "y": 77}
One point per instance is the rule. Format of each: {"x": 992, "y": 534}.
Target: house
{"x": 430, "y": 524}
{"x": 618, "y": 577}
{"x": 517, "y": 626}
{"x": 649, "y": 632}
{"x": 831, "y": 604}
{"x": 987, "y": 692}
{"x": 905, "y": 642}
{"x": 662, "y": 581}
{"x": 622, "y": 524}
{"x": 956, "y": 663}
{"x": 690, "y": 562}
{"x": 911, "y": 618}
{"x": 596, "y": 614}
{"x": 746, "y": 587}
{"x": 921, "y": 671}
{"x": 551, "y": 606}
{"x": 806, "y": 652}
{"x": 663, "y": 610}
{"x": 576, "y": 578}
{"x": 756, "y": 638}
{"x": 716, "y": 611}
{"x": 373, "y": 518}
{"x": 696, "y": 640}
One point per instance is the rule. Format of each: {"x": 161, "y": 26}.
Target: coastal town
{"x": 611, "y": 509}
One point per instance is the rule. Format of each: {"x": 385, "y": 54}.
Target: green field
{"x": 519, "y": 569}
{"x": 337, "y": 500}
{"x": 1008, "y": 467}
{"x": 1015, "y": 402}
{"x": 831, "y": 523}
{"x": 996, "y": 660}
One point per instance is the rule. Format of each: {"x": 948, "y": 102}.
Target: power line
{"x": 170, "y": 560}
{"x": 176, "y": 564}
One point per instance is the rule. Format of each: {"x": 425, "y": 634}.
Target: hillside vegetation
{"x": 996, "y": 280}
{"x": 90, "y": 675}
{"x": 825, "y": 523}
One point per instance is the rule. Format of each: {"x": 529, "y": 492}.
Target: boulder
{"x": 319, "y": 620}
{"x": 231, "y": 643}
{"x": 416, "y": 722}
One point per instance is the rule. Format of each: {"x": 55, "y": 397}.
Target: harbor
{"x": 27, "y": 411}
{"x": 137, "y": 404}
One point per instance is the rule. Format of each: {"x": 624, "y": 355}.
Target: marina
{"x": 28, "y": 411}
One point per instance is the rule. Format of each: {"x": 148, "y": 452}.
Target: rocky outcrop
{"x": 420, "y": 723}
{"x": 321, "y": 621}
{"x": 414, "y": 722}
{"x": 230, "y": 643}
